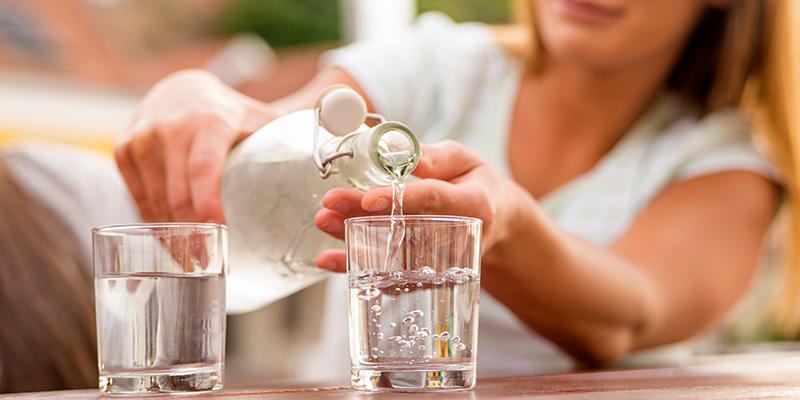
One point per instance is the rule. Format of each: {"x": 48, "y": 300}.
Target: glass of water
{"x": 160, "y": 303}
{"x": 413, "y": 295}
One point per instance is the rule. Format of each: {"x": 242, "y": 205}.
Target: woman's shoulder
{"x": 436, "y": 64}
{"x": 691, "y": 143}
{"x": 433, "y": 42}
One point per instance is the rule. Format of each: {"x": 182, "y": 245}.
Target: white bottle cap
{"x": 341, "y": 110}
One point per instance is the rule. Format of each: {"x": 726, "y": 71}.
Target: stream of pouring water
{"x": 397, "y": 164}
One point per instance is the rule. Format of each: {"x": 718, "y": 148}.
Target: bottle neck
{"x": 385, "y": 153}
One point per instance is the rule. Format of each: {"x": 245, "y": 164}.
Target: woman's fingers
{"x": 144, "y": 171}
{"x": 330, "y": 222}
{"x": 338, "y": 205}
{"x": 127, "y": 167}
{"x": 446, "y": 160}
{"x": 205, "y": 164}
{"x": 173, "y": 155}
{"x": 332, "y": 260}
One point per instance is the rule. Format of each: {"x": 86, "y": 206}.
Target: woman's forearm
{"x": 587, "y": 300}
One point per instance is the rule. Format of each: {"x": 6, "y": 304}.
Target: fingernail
{"x": 324, "y": 225}
{"x": 379, "y": 205}
{"x": 329, "y": 224}
{"x": 339, "y": 205}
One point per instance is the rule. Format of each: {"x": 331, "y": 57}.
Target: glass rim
{"x": 414, "y": 218}
{"x": 145, "y": 228}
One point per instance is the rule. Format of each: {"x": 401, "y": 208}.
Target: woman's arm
{"x": 174, "y": 151}
{"x": 681, "y": 266}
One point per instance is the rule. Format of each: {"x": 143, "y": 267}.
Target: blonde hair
{"x": 746, "y": 55}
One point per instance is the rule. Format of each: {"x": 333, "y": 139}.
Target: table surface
{"x": 743, "y": 376}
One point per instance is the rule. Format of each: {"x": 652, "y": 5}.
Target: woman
{"x": 623, "y": 200}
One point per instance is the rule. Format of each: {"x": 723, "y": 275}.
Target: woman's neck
{"x": 596, "y": 104}
{"x": 567, "y": 118}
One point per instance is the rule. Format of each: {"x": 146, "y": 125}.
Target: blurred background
{"x": 74, "y": 70}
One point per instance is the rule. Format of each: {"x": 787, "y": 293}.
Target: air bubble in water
{"x": 406, "y": 344}
{"x": 407, "y": 321}
{"x": 423, "y": 334}
{"x": 363, "y": 282}
{"x": 435, "y": 337}
{"x": 421, "y": 347}
{"x": 460, "y": 347}
{"x": 416, "y": 314}
{"x": 457, "y": 275}
{"x": 455, "y": 340}
{"x": 395, "y": 338}
{"x": 369, "y": 294}
{"x": 376, "y": 309}
{"x": 444, "y": 336}
{"x": 427, "y": 272}
{"x": 380, "y": 335}
{"x": 413, "y": 329}
{"x": 392, "y": 324}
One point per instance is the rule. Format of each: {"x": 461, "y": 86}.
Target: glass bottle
{"x": 272, "y": 187}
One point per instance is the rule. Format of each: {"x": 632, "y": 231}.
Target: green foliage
{"x": 284, "y": 22}
{"x": 293, "y": 22}
{"x": 488, "y": 11}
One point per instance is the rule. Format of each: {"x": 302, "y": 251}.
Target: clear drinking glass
{"x": 413, "y": 294}
{"x": 160, "y": 301}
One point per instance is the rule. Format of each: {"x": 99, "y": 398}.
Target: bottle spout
{"x": 397, "y": 149}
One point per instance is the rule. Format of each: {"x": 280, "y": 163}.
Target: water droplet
{"x": 416, "y": 314}
{"x": 413, "y": 329}
{"x": 369, "y": 294}
{"x": 407, "y": 321}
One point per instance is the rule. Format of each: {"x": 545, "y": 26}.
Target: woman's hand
{"x": 455, "y": 181}
{"x": 173, "y": 154}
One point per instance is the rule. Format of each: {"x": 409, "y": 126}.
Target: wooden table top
{"x": 750, "y": 376}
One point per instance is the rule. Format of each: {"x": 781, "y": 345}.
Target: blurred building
{"x": 74, "y": 70}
